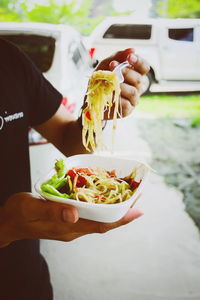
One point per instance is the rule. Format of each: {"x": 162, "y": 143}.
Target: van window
{"x": 181, "y": 34}
{"x": 40, "y": 49}
{"x": 128, "y": 31}
{"x": 78, "y": 53}
{"x": 77, "y": 57}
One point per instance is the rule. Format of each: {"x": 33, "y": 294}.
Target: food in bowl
{"x": 92, "y": 185}
{"x": 100, "y": 212}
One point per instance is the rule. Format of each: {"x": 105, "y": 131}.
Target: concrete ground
{"x": 156, "y": 257}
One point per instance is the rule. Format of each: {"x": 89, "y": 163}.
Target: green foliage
{"x": 172, "y": 106}
{"x": 179, "y": 8}
{"x": 75, "y": 13}
{"x": 8, "y": 11}
{"x": 6, "y": 15}
{"x": 195, "y": 122}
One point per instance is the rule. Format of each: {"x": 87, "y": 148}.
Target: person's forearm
{"x": 72, "y": 139}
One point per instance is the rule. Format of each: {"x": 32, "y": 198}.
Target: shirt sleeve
{"x": 42, "y": 98}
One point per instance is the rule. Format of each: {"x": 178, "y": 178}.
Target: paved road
{"x": 156, "y": 257}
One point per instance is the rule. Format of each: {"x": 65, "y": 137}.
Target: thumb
{"x": 123, "y": 55}
{"x": 113, "y": 64}
{"x": 38, "y": 209}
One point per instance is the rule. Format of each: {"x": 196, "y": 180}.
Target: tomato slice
{"x": 71, "y": 173}
{"x": 81, "y": 181}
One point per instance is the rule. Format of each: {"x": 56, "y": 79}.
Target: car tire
{"x": 147, "y": 82}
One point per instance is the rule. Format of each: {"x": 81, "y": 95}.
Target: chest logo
{"x": 10, "y": 118}
{"x": 1, "y": 122}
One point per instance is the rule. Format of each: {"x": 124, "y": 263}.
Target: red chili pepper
{"x": 88, "y": 116}
{"x": 134, "y": 184}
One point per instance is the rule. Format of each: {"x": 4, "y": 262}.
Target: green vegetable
{"x": 58, "y": 180}
{"x": 60, "y": 168}
{"x": 47, "y": 188}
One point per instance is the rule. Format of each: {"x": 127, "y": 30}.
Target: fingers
{"x": 132, "y": 59}
{"x": 125, "y": 108}
{"x": 141, "y": 65}
{"x": 57, "y": 212}
{"x": 132, "y": 77}
{"x": 123, "y": 55}
{"x": 131, "y": 215}
{"x": 37, "y": 218}
{"x": 37, "y": 209}
{"x": 120, "y": 56}
{"x": 129, "y": 98}
{"x": 83, "y": 227}
{"x": 67, "y": 232}
{"x": 127, "y": 54}
{"x": 113, "y": 64}
{"x": 87, "y": 226}
{"x": 130, "y": 93}
{"x": 137, "y": 63}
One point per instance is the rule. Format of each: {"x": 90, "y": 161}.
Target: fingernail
{"x": 133, "y": 58}
{"x": 68, "y": 216}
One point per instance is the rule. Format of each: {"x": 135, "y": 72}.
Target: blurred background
{"x": 157, "y": 256}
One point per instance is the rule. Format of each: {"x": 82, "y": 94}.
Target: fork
{"x": 118, "y": 70}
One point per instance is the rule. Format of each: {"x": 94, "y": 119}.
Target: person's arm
{"x": 25, "y": 216}
{"x": 65, "y": 132}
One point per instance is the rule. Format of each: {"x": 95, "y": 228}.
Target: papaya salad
{"x": 103, "y": 94}
{"x": 93, "y": 185}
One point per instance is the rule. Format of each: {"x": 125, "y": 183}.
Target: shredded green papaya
{"x": 103, "y": 94}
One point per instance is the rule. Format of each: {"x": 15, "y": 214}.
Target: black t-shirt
{"x": 26, "y": 99}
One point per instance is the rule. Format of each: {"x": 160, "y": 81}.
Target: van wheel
{"x": 147, "y": 82}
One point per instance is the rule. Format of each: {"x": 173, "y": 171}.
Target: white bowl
{"x": 100, "y": 212}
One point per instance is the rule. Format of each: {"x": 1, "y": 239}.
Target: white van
{"x": 171, "y": 46}
{"x": 58, "y": 51}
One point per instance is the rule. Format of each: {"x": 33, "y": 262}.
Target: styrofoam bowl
{"x": 93, "y": 211}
